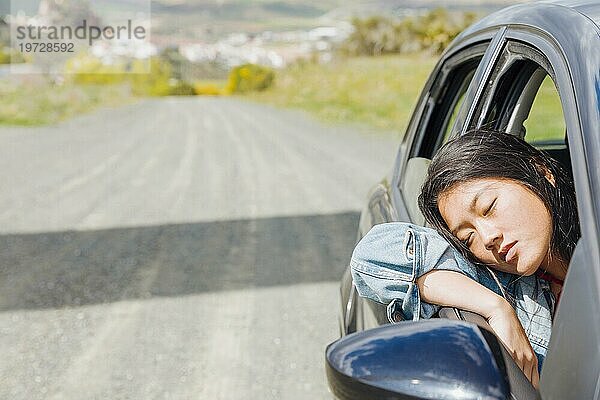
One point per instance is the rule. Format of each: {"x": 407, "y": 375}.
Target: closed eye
{"x": 490, "y": 207}
{"x": 467, "y": 241}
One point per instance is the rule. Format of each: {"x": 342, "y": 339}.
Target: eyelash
{"x": 490, "y": 207}
{"x": 467, "y": 241}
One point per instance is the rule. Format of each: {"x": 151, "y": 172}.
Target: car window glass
{"x": 443, "y": 105}
{"x": 545, "y": 121}
{"x": 446, "y": 105}
{"x": 545, "y": 126}
{"x": 454, "y": 114}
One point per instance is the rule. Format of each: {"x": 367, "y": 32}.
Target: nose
{"x": 491, "y": 236}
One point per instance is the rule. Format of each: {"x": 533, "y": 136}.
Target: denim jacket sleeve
{"x": 388, "y": 260}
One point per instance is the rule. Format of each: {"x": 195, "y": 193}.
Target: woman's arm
{"x": 453, "y": 289}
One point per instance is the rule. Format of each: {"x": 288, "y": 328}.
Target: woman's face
{"x": 501, "y": 221}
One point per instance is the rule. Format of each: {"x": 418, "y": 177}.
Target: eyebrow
{"x": 471, "y": 207}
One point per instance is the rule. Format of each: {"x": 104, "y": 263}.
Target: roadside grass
{"x": 377, "y": 91}
{"x": 39, "y": 102}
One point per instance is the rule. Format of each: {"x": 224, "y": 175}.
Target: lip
{"x": 505, "y": 252}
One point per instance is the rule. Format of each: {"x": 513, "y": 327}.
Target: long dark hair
{"x": 490, "y": 154}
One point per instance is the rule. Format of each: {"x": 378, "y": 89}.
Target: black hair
{"x": 490, "y": 154}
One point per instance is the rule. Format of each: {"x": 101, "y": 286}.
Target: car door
{"x": 531, "y": 93}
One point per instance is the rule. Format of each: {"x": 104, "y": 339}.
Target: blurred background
{"x": 176, "y": 212}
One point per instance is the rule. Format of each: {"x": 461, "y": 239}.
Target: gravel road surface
{"x": 180, "y": 248}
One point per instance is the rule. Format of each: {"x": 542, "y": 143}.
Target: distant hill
{"x": 211, "y": 19}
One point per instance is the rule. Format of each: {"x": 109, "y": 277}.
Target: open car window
{"x": 445, "y": 99}
{"x": 522, "y": 99}
{"x": 442, "y": 104}
{"x": 545, "y": 126}
{"x": 545, "y": 123}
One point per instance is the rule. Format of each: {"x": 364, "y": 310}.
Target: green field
{"x": 376, "y": 91}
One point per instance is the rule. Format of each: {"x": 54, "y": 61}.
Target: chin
{"x": 526, "y": 268}
{"x": 527, "y": 272}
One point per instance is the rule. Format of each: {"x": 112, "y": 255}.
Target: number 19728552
{"x": 37, "y": 47}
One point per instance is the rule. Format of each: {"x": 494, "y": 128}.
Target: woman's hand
{"x": 507, "y": 327}
{"x": 449, "y": 288}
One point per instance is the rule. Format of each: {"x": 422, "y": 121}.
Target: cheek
{"x": 531, "y": 215}
{"x": 533, "y": 224}
{"x": 507, "y": 215}
{"x": 547, "y": 228}
{"x": 481, "y": 253}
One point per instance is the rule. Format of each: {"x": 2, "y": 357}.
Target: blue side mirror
{"x": 432, "y": 359}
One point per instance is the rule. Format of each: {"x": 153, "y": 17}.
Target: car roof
{"x": 549, "y": 16}
{"x": 590, "y": 9}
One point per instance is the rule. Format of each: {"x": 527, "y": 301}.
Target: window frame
{"x": 517, "y": 66}
{"x": 442, "y": 97}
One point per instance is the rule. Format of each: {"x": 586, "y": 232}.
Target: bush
{"x": 153, "y": 83}
{"x": 10, "y": 56}
{"x": 433, "y": 31}
{"x": 4, "y": 56}
{"x": 248, "y": 78}
{"x": 182, "y": 88}
{"x": 158, "y": 79}
{"x": 377, "y": 35}
{"x": 208, "y": 89}
{"x": 438, "y": 28}
{"x": 86, "y": 69}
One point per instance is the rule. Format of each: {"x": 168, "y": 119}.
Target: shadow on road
{"x": 59, "y": 269}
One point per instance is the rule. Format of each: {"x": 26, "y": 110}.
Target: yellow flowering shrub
{"x": 248, "y": 78}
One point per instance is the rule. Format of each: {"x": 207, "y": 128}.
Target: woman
{"x": 505, "y": 205}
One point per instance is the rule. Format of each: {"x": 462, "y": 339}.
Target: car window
{"x": 444, "y": 100}
{"x": 521, "y": 98}
{"x": 512, "y": 89}
{"x": 454, "y": 113}
{"x": 545, "y": 122}
{"x": 545, "y": 126}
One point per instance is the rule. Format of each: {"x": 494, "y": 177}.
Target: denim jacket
{"x": 390, "y": 257}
